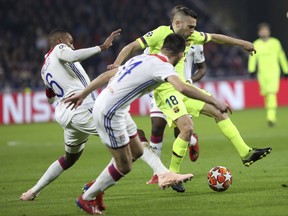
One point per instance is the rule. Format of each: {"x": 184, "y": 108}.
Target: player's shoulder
{"x": 162, "y": 30}
{"x": 60, "y": 46}
{"x": 274, "y": 40}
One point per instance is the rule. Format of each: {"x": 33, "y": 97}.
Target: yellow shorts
{"x": 174, "y": 104}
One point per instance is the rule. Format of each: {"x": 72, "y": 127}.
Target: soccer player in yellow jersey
{"x": 268, "y": 59}
{"x": 177, "y": 107}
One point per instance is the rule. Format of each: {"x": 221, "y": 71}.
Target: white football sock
{"x": 193, "y": 141}
{"x": 51, "y": 174}
{"x": 105, "y": 180}
{"x": 157, "y": 147}
{"x": 152, "y": 159}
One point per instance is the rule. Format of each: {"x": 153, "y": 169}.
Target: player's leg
{"x": 120, "y": 165}
{"x": 157, "y": 131}
{"x": 75, "y": 136}
{"x": 185, "y": 125}
{"x": 271, "y": 109}
{"x": 229, "y": 130}
{"x": 269, "y": 87}
{"x": 158, "y": 123}
{"x": 193, "y": 145}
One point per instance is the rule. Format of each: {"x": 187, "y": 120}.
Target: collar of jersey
{"x": 161, "y": 57}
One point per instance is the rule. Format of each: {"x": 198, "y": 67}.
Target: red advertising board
{"x": 29, "y": 107}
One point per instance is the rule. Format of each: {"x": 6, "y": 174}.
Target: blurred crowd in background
{"x": 26, "y": 24}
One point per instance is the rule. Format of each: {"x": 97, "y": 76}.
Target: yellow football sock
{"x": 271, "y": 106}
{"x": 179, "y": 151}
{"x": 231, "y": 132}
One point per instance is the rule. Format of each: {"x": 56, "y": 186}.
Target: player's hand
{"x": 74, "y": 100}
{"x": 223, "y": 107}
{"x": 110, "y": 39}
{"x": 249, "y": 47}
{"x": 112, "y": 66}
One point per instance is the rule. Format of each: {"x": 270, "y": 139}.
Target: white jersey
{"x": 194, "y": 55}
{"x": 135, "y": 78}
{"x": 62, "y": 73}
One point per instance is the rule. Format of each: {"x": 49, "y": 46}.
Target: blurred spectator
{"x": 25, "y": 24}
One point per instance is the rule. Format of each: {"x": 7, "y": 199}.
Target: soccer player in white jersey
{"x": 117, "y": 130}
{"x": 63, "y": 75}
{"x": 194, "y": 57}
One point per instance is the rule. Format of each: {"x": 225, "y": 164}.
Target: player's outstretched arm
{"x": 109, "y": 40}
{"x": 77, "y": 99}
{"x": 124, "y": 53}
{"x": 223, "y": 39}
{"x": 70, "y": 55}
{"x": 199, "y": 73}
{"x": 192, "y": 92}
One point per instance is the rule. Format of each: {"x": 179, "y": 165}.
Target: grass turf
{"x": 27, "y": 150}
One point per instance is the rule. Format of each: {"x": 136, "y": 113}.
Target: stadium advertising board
{"x": 30, "y": 107}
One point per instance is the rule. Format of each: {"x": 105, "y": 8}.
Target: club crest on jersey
{"x": 61, "y": 46}
{"x": 122, "y": 138}
{"x": 149, "y": 34}
{"x": 176, "y": 109}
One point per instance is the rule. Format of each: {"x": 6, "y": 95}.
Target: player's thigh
{"x": 268, "y": 85}
{"x": 75, "y": 139}
{"x": 115, "y": 130}
{"x": 172, "y": 105}
{"x": 123, "y": 158}
{"x": 194, "y": 106}
{"x": 136, "y": 147}
{"x": 77, "y": 132}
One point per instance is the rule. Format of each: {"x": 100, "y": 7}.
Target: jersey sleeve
{"x": 165, "y": 71}
{"x": 282, "y": 59}
{"x": 65, "y": 53}
{"x": 152, "y": 38}
{"x": 199, "y": 38}
{"x": 199, "y": 54}
{"x": 252, "y": 61}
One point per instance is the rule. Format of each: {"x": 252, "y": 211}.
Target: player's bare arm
{"x": 194, "y": 93}
{"x": 223, "y": 39}
{"x": 77, "y": 99}
{"x": 108, "y": 42}
{"x": 200, "y": 72}
{"x": 124, "y": 53}
{"x": 71, "y": 55}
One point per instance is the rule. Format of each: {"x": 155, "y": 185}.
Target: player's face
{"x": 185, "y": 26}
{"x": 68, "y": 40}
{"x": 177, "y": 59}
{"x": 264, "y": 32}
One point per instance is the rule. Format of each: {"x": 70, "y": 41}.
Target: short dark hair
{"x": 54, "y": 34}
{"x": 183, "y": 10}
{"x": 174, "y": 44}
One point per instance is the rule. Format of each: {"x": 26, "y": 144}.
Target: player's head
{"x": 264, "y": 30}
{"x": 173, "y": 47}
{"x": 174, "y": 10}
{"x": 184, "y": 20}
{"x": 58, "y": 36}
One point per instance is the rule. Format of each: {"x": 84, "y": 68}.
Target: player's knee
{"x": 125, "y": 168}
{"x": 186, "y": 131}
{"x": 158, "y": 126}
{"x": 66, "y": 163}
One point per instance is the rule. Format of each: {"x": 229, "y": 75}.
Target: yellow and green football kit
{"x": 267, "y": 60}
{"x": 174, "y": 104}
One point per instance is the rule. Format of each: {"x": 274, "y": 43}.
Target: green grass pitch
{"x": 27, "y": 150}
